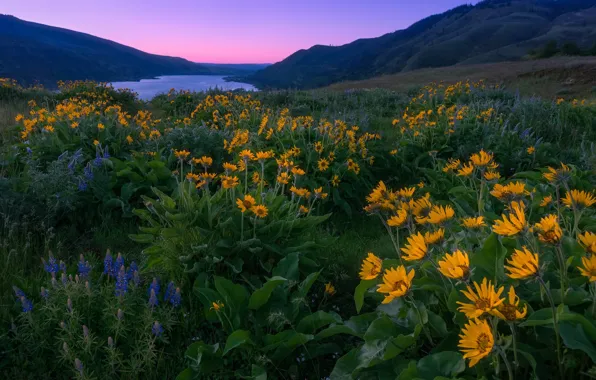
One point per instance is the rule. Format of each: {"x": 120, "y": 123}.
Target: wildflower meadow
{"x": 444, "y": 233}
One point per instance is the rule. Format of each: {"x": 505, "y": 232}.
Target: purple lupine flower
{"x": 131, "y": 270}
{"x": 18, "y": 292}
{"x": 64, "y": 279}
{"x": 136, "y": 278}
{"x": 26, "y": 304}
{"x": 83, "y": 267}
{"x": 157, "y": 329}
{"x": 78, "y": 366}
{"x": 62, "y": 155}
{"x": 29, "y": 151}
{"x": 154, "y": 286}
{"x": 88, "y": 172}
{"x": 44, "y": 293}
{"x": 82, "y": 186}
{"x": 107, "y": 264}
{"x": 119, "y": 262}
{"x": 176, "y": 298}
{"x": 106, "y": 153}
{"x": 98, "y": 160}
{"x": 153, "y": 302}
{"x": 62, "y": 266}
{"x": 121, "y": 283}
{"x": 169, "y": 291}
{"x": 51, "y": 266}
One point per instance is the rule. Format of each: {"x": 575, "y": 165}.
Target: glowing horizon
{"x": 237, "y": 31}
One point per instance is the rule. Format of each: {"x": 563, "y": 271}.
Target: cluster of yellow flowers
{"x": 403, "y": 210}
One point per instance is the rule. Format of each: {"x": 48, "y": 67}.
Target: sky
{"x": 228, "y": 31}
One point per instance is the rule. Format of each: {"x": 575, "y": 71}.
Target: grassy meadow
{"x": 442, "y": 231}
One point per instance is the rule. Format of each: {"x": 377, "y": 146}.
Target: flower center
{"x": 482, "y": 304}
{"x": 398, "y": 285}
{"x": 508, "y": 311}
{"x": 483, "y": 342}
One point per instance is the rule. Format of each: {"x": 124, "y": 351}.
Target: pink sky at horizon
{"x": 233, "y": 31}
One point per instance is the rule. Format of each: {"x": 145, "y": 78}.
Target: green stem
{"x": 555, "y": 325}
{"x": 562, "y": 270}
{"x": 506, "y": 361}
{"x": 514, "y": 341}
{"x": 426, "y": 332}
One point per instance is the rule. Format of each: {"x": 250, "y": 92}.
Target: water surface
{"x": 148, "y": 88}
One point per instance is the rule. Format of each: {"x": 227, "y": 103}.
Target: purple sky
{"x": 228, "y": 31}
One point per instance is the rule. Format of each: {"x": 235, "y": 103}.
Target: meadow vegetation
{"x": 445, "y": 232}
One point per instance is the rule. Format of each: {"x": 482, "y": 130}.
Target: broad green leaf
{"x": 287, "y": 267}
{"x": 335, "y": 330}
{"x": 360, "y": 291}
{"x": 258, "y": 373}
{"x": 539, "y": 318}
{"x": 447, "y": 363}
{"x": 411, "y": 372}
{"x": 398, "y": 345}
{"x": 437, "y": 324}
{"x": 187, "y": 374}
{"x": 491, "y": 258}
{"x": 308, "y": 282}
{"x": 345, "y": 365}
{"x": 235, "y": 295}
{"x": 261, "y": 296}
{"x": 574, "y": 337}
{"x": 236, "y": 339}
{"x": 311, "y": 323}
{"x": 381, "y": 329}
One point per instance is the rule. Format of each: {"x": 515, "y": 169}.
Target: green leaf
{"x": 287, "y": 267}
{"x": 398, "y": 345}
{"x": 311, "y": 323}
{"x": 447, "y": 363}
{"x": 574, "y": 337}
{"x": 234, "y": 295}
{"x": 308, "y": 282}
{"x": 258, "y": 373}
{"x": 437, "y": 324}
{"x": 539, "y": 318}
{"x": 187, "y": 374}
{"x": 236, "y": 339}
{"x": 491, "y": 258}
{"x": 411, "y": 372}
{"x": 203, "y": 357}
{"x": 141, "y": 238}
{"x": 261, "y": 296}
{"x": 346, "y": 365}
{"x": 335, "y": 330}
{"x": 360, "y": 291}
{"x": 381, "y": 328}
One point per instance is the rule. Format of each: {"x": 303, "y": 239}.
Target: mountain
{"x": 35, "y": 53}
{"x": 491, "y": 31}
{"x": 237, "y": 67}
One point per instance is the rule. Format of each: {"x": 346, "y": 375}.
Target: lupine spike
{"x": 157, "y": 329}
{"x": 176, "y": 298}
{"x": 153, "y": 299}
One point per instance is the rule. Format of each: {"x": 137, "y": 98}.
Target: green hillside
{"x": 491, "y": 31}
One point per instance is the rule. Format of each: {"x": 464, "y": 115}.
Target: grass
{"x": 566, "y": 77}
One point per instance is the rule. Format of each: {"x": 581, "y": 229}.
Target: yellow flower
{"x": 421, "y": 208}
{"x": 205, "y": 161}
{"x": 406, "y": 193}
{"x": 531, "y": 150}
{"x": 228, "y": 167}
{"x": 181, "y": 154}
{"x": 371, "y": 267}
{"x": 476, "y": 341}
{"x": 74, "y": 125}
{"x": 456, "y": 265}
{"x": 217, "y": 305}
{"x": 353, "y": 166}
{"x": 510, "y": 192}
{"x": 246, "y": 155}
{"x": 378, "y": 194}
{"x": 481, "y": 159}
{"x": 588, "y": 241}
{"x": 473, "y": 222}
{"x": 578, "y": 198}
{"x": 512, "y": 224}
{"x": 335, "y": 181}
{"x": 256, "y": 178}
{"x": 260, "y": 211}
{"x": 129, "y": 139}
{"x": 393, "y": 152}
{"x": 398, "y": 219}
{"x": 303, "y": 209}
{"x": 452, "y": 165}
{"x": 562, "y": 174}
{"x": 589, "y": 268}
{"x": 319, "y": 194}
{"x": 262, "y": 156}
{"x": 416, "y": 248}
{"x": 96, "y": 142}
{"x": 101, "y": 127}
{"x": 283, "y": 178}
{"x": 522, "y": 264}
{"x": 466, "y": 170}
{"x": 434, "y": 237}
{"x": 230, "y": 182}
{"x": 440, "y": 214}
{"x": 323, "y": 164}
{"x": 245, "y": 204}
{"x": 329, "y": 289}
{"x": 491, "y": 175}
{"x": 548, "y": 229}
{"x": 546, "y": 201}
{"x": 49, "y": 128}
{"x": 510, "y": 310}
{"x": 192, "y": 177}
{"x": 298, "y": 172}
{"x": 300, "y": 192}
{"x": 396, "y": 283}
{"x": 318, "y": 147}
{"x": 484, "y": 301}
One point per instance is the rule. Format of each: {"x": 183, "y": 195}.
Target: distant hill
{"x": 237, "y": 67}
{"x": 35, "y": 53}
{"x": 491, "y": 31}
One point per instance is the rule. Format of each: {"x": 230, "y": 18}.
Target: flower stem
{"x": 555, "y": 324}
{"x": 562, "y": 270}
{"x": 514, "y": 341}
{"x": 426, "y": 332}
{"x": 506, "y": 361}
